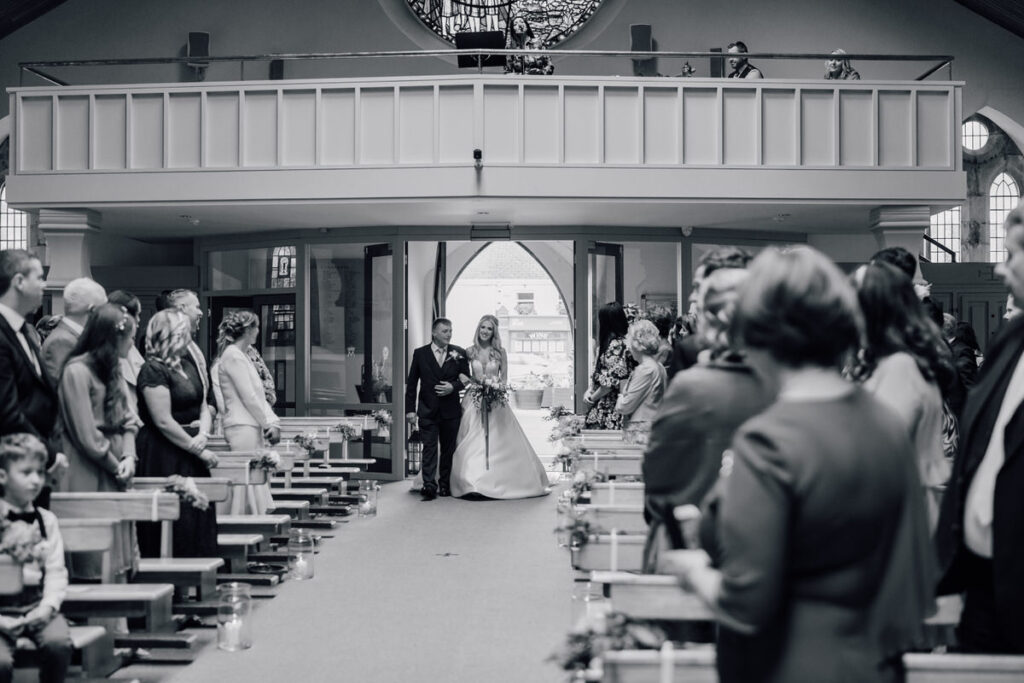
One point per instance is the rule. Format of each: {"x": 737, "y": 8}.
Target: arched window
{"x": 1002, "y": 197}
{"x": 945, "y": 228}
{"x": 282, "y": 268}
{"x": 13, "y": 225}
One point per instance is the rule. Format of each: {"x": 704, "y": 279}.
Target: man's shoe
{"x": 445, "y": 492}
{"x": 428, "y": 494}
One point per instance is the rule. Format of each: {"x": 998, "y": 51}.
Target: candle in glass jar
{"x": 231, "y": 634}
{"x": 301, "y": 566}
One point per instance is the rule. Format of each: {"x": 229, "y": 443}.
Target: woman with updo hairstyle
{"x": 816, "y": 537}
{"x": 613, "y": 366}
{"x": 904, "y": 362}
{"x": 703, "y": 406}
{"x": 170, "y": 405}
{"x": 98, "y": 425}
{"x": 641, "y": 395}
{"x": 248, "y": 420}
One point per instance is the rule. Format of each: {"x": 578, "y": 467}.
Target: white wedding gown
{"x": 515, "y": 471}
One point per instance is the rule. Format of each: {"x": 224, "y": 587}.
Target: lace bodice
{"x": 483, "y": 364}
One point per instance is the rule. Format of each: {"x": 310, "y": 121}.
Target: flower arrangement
{"x": 614, "y": 631}
{"x": 556, "y": 412}
{"x": 382, "y": 417}
{"x": 21, "y": 540}
{"x": 308, "y": 442}
{"x": 187, "y": 491}
{"x": 568, "y": 425}
{"x": 268, "y": 460}
{"x": 577, "y": 530}
{"x": 489, "y": 391}
{"x": 348, "y": 432}
{"x": 567, "y": 457}
{"x": 582, "y": 481}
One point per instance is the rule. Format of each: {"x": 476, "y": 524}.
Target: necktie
{"x": 440, "y": 356}
{"x": 32, "y": 337}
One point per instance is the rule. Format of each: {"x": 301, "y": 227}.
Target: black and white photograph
{"x": 511, "y": 341}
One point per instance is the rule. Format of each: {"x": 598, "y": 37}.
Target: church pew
{"x": 650, "y": 596}
{"x": 617, "y": 493}
{"x": 268, "y": 525}
{"x": 235, "y": 549}
{"x": 331, "y": 483}
{"x": 136, "y": 506}
{"x": 697, "y": 665}
{"x": 612, "y": 552}
{"x": 606, "y": 518}
{"x": 296, "y": 509}
{"x": 615, "y": 463}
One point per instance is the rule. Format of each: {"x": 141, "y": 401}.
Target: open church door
{"x": 376, "y": 385}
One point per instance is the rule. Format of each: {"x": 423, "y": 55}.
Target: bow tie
{"x": 29, "y": 517}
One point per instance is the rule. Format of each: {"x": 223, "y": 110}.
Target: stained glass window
{"x": 552, "y": 21}
{"x": 282, "y": 267}
{"x": 1002, "y": 197}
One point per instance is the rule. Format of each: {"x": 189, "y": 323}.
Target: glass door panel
{"x": 605, "y": 273}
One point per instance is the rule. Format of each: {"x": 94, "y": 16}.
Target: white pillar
{"x": 67, "y": 235}
{"x": 901, "y": 226}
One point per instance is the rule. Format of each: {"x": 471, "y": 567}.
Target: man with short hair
{"x": 81, "y": 295}
{"x": 28, "y": 402}
{"x": 741, "y": 67}
{"x": 980, "y": 536}
{"x": 435, "y": 372}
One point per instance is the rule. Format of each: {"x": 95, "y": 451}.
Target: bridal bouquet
{"x": 22, "y": 541}
{"x": 268, "y": 460}
{"x": 487, "y": 394}
{"x": 187, "y": 491}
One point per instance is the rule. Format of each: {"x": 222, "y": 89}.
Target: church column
{"x": 67, "y": 234}
{"x": 901, "y": 226}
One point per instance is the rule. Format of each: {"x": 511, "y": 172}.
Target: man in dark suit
{"x": 28, "y": 402}
{"x": 980, "y": 536}
{"x": 435, "y": 371}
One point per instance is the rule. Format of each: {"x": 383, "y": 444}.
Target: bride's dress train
{"x": 515, "y": 471}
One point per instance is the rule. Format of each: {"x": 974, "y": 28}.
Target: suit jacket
{"x": 967, "y": 374}
{"x": 56, "y": 349}
{"x": 427, "y": 373}
{"x": 684, "y": 354}
{"x": 28, "y": 403}
{"x": 979, "y": 418}
{"x": 639, "y": 400}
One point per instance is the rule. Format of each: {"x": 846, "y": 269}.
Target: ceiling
{"x": 1006, "y": 13}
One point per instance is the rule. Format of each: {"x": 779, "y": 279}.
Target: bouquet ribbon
{"x": 485, "y": 410}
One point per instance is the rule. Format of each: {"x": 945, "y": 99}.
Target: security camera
{"x": 687, "y": 230}
{"x": 478, "y": 158}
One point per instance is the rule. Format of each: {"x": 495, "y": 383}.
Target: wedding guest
{"x": 98, "y": 426}
{"x": 979, "y": 539}
{"x": 838, "y": 68}
{"x": 22, "y": 463}
{"x": 686, "y": 348}
{"x": 965, "y": 361}
{"x": 662, "y": 318}
{"x": 171, "y": 405}
{"x": 741, "y": 67}
{"x": 613, "y": 366}
{"x": 28, "y": 402}
{"x": 266, "y": 377}
{"x": 132, "y": 363}
{"x": 702, "y": 408}
{"x": 818, "y": 542}
{"x": 1012, "y": 309}
{"x": 902, "y": 363}
{"x": 80, "y": 296}
{"x": 640, "y": 396}
{"x": 249, "y": 423}
{"x": 519, "y": 36}
{"x": 47, "y": 324}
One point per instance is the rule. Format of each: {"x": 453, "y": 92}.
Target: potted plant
{"x": 529, "y": 391}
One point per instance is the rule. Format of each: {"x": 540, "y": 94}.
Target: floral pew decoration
{"x": 384, "y": 420}
{"x": 347, "y": 433}
{"x": 587, "y": 641}
{"x": 268, "y": 461}
{"x": 488, "y": 394}
{"x": 185, "y": 488}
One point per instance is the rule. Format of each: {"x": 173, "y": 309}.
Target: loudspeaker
{"x": 277, "y": 69}
{"x": 640, "y": 40}
{"x": 198, "y": 47}
{"x": 717, "y": 64}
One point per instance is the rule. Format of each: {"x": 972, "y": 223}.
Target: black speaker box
{"x": 198, "y": 47}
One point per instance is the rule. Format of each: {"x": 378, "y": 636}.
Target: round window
{"x": 552, "y": 21}
{"x": 975, "y": 135}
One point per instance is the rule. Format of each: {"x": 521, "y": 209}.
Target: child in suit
{"x": 22, "y": 475}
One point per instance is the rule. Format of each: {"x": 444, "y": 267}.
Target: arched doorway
{"x": 507, "y": 280}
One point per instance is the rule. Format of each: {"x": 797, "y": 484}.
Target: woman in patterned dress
{"x": 614, "y": 366}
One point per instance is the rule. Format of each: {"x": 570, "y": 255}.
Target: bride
{"x": 514, "y": 469}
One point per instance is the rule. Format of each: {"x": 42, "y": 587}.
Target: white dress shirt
{"x": 16, "y": 320}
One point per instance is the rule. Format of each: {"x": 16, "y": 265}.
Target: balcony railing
{"x": 513, "y": 120}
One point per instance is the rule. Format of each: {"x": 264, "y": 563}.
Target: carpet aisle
{"x": 449, "y": 590}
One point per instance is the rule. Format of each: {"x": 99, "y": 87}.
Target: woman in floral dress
{"x": 614, "y": 366}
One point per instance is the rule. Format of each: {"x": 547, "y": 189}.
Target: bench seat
{"x": 268, "y": 525}
{"x": 329, "y": 483}
{"x": 235, "y": 548}
{"x": 183, "y": 572}
{"x": 152, "y": 601}
{"x": 600, "y": 553}
{"x": 316, "y": 496}
{"x": 296, "y": 509}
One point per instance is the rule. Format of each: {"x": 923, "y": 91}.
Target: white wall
{"x": 83, "y": 29}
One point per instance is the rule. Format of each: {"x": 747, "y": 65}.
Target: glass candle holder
{"x": 369, "y": 492}
{"x": 564, "y": 517}
{"x": 234, "y": 623}
{"x": 300, "y": 554}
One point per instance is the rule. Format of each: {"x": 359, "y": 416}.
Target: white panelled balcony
{"x": 578, "y": 137}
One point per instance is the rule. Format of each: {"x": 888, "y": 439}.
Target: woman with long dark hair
{"x": 613, "y": 367}
{"x": 519, "y": 36}
{"x": 98, "y": 426}
{"x": 905, "y": 363}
